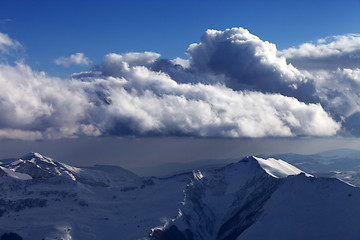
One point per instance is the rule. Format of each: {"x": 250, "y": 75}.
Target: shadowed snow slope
{"x": 16, "y": 175}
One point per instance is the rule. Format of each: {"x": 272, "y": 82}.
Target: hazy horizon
{"x": 135, "y": 153}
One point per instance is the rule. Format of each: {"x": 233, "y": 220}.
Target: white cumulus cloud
{"x": 233, "y": 85}
{"x": 137, "y": 100}
{"x": 32, "y": 103}
{"x": 334, "y": 65}
{"x": 241, "y": 61}
{"x": 342, "y": 51}
{"x": 77, "y": 58}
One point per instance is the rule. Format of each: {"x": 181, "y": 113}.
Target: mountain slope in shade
{"x": 14, "y": 174}
{"x": 309, "y": 208}
{"x": 264, "y": 199}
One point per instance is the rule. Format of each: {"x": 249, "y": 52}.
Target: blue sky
{"x": 234, "y": 90}
{"x": 51, "y": 29}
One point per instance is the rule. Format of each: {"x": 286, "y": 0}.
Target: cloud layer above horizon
{"x": 232, "y": 85}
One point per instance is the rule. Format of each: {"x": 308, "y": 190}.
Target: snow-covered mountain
{"x": 44, "y": 199}
{"x": 254, "y": 198}
{"x": 264, "y": 199}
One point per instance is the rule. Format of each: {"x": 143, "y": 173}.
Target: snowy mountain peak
{"x": 34, "y": 156}
{"x": 278, "y": 168}
{"x": 273, "y": 167}
{"x": 38, "y": 166}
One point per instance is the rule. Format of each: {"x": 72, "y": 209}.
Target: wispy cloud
{"x": 4, "y": 21}
{"x": 77, "y": 58}
{"x": 7, "y": 44}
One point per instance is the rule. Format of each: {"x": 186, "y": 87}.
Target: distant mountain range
{"x": 253, "y": 198}
{"x": 340, "y": 163}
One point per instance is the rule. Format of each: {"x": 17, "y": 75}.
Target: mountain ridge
{"x": 247, "y": 205}
{"x": 238, "y": 201}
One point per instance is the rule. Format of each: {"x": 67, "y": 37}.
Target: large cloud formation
{"x": 233, "y": 85}
{"x": 334, "y": 64}
{"x": 241, "y": 61}
{"x": 34, "y": 105}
